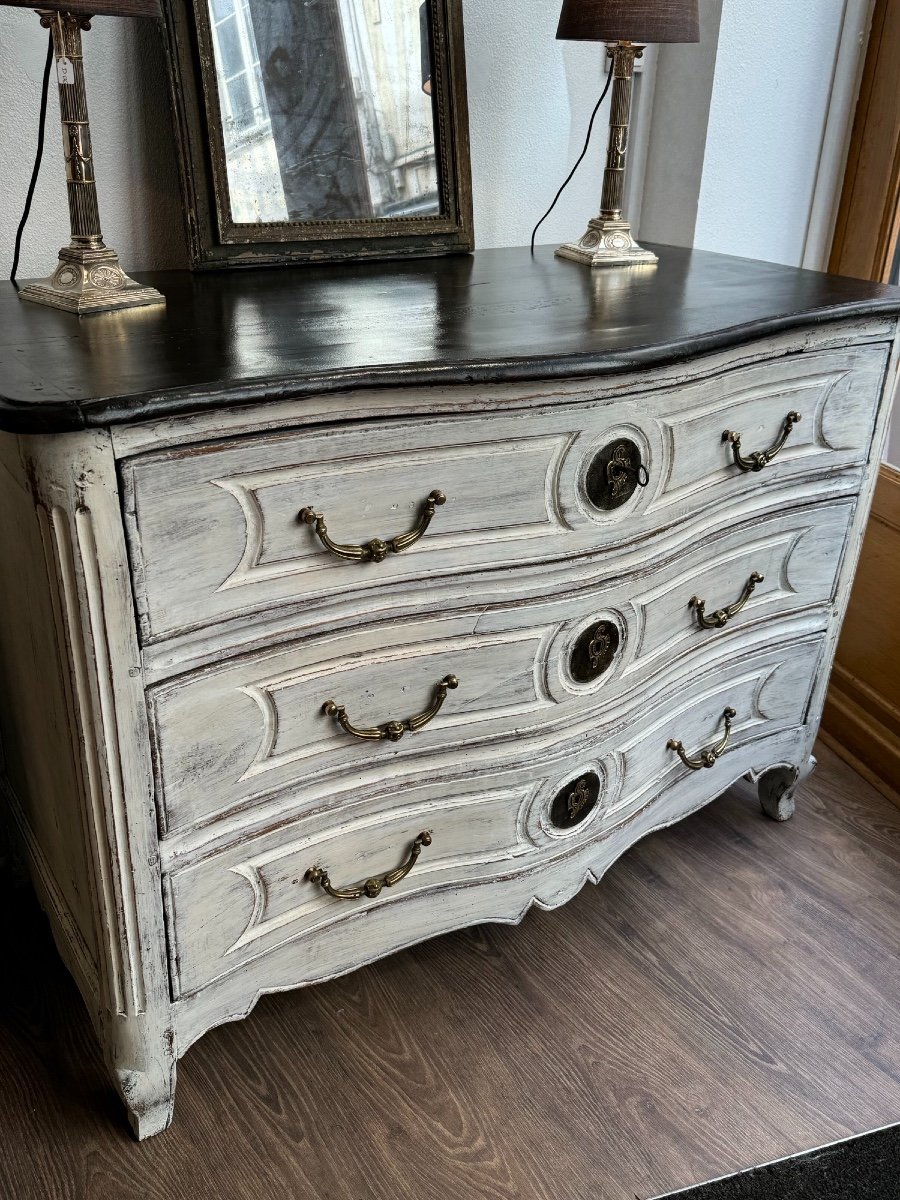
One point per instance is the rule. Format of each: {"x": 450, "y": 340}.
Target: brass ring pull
{"x": 376, "y": 550}
{"x": 372, "y": 887}
{"x": 720, "y": 618}
{"x": 706, "y": 758}
{"x": 393, "y": 731}
{"x": 620, "y": 469}
{"x": 761, "y": 458}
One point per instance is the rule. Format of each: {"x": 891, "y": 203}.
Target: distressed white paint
{"x": 514, "y": 493}
{"x": 480, "y": 834}
{"x": 230, "y": 887}
{"x": 265, "y": 711}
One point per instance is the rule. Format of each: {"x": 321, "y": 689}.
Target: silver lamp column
{"x": 626, "y": 26}
{"x": 88, "y": 277}
{"x": 608, "y": 240}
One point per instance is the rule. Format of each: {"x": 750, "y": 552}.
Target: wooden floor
{"x": 731, "y": 993}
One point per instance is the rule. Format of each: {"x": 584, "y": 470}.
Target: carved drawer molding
{"x": 217, "y": 535}
{"x": 307, "y": 659}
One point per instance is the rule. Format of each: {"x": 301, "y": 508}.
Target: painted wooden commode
{"x": 348, "y": 606}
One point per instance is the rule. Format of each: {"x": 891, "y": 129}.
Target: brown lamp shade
{"x": 99, "y": 8}
{"x": 629, "y": 20}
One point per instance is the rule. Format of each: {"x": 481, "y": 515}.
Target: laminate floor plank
{"x": 728, "y": 995}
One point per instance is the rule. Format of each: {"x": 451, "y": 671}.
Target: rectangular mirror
{"x": 321, "y": 129}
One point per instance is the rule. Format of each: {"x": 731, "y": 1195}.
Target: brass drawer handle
{"x": 706, "y": 758}
{"x": 761, "y": 458}
{"x": 376, "y": 550}
{"x": 720, "y": 618}
{"x": 372, "y": 887}
{"x": 393, "y": 731}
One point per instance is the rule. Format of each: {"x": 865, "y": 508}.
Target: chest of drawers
{"x": 345, "y": 608}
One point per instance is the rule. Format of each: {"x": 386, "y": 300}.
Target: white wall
{"x": 734, "y": 151}
{"x": 678, "y": 130}
{"x": 750, "y": 130}
{"x": 134, "y": 154}
{"x": 769, "y": 108}
{"x": 530, "y": 98}
{"x": 759, "y": 93}
{"x": 892, "y": 454}
{"x": 766, "y": 147}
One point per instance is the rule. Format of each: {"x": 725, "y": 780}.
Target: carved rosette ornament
{"x": 89, "y": 278}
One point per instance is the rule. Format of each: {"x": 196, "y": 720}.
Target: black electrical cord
{"x": 587, "y": 142}
{"x": 45, "y": 87}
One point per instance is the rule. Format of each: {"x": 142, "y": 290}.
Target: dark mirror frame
{"x": 216, "y": 241}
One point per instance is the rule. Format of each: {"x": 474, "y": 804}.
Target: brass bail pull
{"x": 374, "y": 886}
{"x": 761, "y": 458}
{"x": 376, "y": 550}
{"x": 709, "y": 757}
{"x": 720, "y": 618}
{"x": 393, "y": 731}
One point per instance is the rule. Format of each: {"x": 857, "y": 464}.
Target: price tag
{"x": 65, "y": 70}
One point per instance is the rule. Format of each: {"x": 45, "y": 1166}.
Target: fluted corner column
{"x": 608, "y": 241}
{"x": 88, "y": 277}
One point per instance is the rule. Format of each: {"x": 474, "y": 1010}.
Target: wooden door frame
{"x": 868, "y": 221}
{"x": 862, "y": 713}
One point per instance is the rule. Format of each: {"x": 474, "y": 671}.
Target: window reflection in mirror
{"x": 326, "y": 109}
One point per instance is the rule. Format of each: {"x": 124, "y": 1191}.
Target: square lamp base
{"x": 607, "y": 243}
{"x": 90, "y": 281}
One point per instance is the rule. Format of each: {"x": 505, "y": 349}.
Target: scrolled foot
{"x": 778, "y": 786}
{"x": 149, "y": 1102}
{"x": 151, "y": 1119}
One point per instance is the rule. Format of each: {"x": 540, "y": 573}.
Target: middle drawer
{"x": 257, "y": 726}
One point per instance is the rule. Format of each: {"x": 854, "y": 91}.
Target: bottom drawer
{"x": 232, "y": 908}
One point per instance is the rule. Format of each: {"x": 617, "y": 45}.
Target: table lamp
{"x": 626, "y": 26}
{"x": 88, "y": 277}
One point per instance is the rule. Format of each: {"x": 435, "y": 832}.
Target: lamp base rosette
{"x": 607, "y": 243}
{"x": 89, "y": 280}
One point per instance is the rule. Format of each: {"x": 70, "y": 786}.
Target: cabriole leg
{"x": 777, "y": 787}
{"x": 146, "y": 1083}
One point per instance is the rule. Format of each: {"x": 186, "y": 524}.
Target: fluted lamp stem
{"x": 88, "y": 277}
{"x": 608, "y": 241}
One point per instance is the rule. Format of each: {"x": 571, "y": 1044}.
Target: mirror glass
{"x": 327, "y": 109}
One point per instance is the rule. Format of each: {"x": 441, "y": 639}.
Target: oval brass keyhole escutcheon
{"x": 594, "y": 652}
{"x": 615, "y": 474}
{"x": 576, "y": 801}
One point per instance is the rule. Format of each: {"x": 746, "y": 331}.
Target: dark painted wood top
{"x": 499, "y": 315}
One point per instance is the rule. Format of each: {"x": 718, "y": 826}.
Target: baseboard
{"x": 860, "y": 767}
{"x": 863, "y": 729}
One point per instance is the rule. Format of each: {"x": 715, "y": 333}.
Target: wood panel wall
{"x": 862, "y": 713}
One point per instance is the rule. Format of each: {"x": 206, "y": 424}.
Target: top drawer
{"x": 215, "y": 532}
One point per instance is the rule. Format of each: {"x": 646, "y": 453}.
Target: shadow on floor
{"x": 861, "y": 1168}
